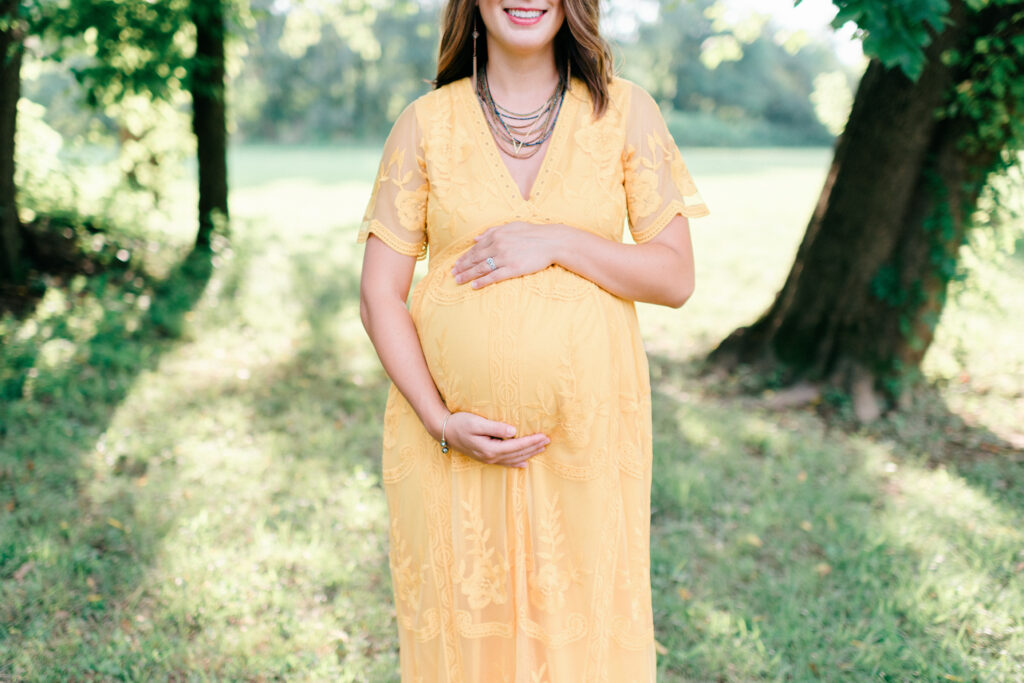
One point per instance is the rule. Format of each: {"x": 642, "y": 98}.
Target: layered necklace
{"x": 522, "y": 134}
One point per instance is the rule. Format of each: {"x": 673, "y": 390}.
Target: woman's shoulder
{"x": 443, "y": 94}
{"x": 622, "y": 87}
{"x": 430, "y": 105}
{"x": 628, "y": 95}
{"x": 624, "y": 96}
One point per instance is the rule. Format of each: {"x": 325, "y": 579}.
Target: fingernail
{"x": 511, "y": 431}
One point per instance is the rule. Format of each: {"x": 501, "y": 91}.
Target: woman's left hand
{"x": 517, "y": 249}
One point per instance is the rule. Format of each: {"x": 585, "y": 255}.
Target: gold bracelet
{"x": 444, "y": 444}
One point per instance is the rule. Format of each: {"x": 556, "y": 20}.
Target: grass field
{"x": 189, "y": 473}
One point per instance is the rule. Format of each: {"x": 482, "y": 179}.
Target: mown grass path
{"x": 189, "y": 473}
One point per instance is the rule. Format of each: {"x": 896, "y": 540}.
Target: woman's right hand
{"x": 490, "y": 442}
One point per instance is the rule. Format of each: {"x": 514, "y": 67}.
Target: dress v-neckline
{"x": 490, "y": 146}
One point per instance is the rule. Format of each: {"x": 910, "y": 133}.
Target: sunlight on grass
{"x": 966, "y": 589}
{"x": 977, "y": 355}
{"x": 191, "y": 479}
{"x": 782, "y": 551}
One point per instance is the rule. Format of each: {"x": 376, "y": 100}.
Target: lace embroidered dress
{"x": 542, "y": 574}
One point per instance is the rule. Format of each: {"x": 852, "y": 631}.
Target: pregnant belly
{"x": 549, "y": 352}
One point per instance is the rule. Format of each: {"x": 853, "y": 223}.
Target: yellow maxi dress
{"x": 542, "y": 574}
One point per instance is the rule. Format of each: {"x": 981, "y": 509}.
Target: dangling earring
{"x": 476, "y": 34}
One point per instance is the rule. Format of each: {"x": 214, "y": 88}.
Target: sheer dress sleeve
{"x": 657, "y": 181}
{"x": 397, "y": 210}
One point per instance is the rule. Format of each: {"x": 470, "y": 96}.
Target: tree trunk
{"x": 209, "y": 121}
{"x": 12, "y": 262}
{"x": 859, "y": 307}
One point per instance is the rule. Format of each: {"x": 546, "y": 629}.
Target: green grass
{"x": 189, "y": 470}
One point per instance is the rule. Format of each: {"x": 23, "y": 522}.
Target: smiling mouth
{"x": 525, "y": 14}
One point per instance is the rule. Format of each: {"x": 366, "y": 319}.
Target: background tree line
{"x": 937, "y": 115}
{"x": 340, "y": 71}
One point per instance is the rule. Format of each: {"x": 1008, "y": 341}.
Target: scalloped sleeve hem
{"x": 397, "y": 210}
{"x": 675, "y": 208}
{"x": 657, "y": 181}
{"x": 388, "y": 237}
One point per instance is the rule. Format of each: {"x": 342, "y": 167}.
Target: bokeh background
{"x": 190, "y": 411}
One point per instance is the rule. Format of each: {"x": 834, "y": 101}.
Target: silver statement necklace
{"x": 521, "y": 134}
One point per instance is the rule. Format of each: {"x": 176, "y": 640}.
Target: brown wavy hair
{"x": 579, "y": 41}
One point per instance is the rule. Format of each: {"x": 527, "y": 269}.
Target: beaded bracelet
{"x": 444, "y": 444}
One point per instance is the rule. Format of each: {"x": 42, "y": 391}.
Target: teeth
{"x": 525, "y": 13}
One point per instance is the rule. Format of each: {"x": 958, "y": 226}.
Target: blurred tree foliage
{"x": 938, "y": 117}
{"x": 132, "y": 59}
{"x": 322, "y": 70}
{"x": 325, "y": 70}
{"x": 333, "y": 70}
{"x": 746, "y": 83}
{"x": 156, "y": 50}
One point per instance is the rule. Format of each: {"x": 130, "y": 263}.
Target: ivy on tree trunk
{"x": 860, "y": 305}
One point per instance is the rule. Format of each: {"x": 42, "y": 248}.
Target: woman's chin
{"x": 525, "y": 45}
{"x": 522, "y": 39}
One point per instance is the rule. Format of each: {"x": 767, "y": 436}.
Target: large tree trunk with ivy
{"x": 12, "y": 262}
{"x": 861, "y": 302}
{"x": 209, "y": 121}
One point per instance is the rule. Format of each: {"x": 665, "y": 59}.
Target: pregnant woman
{"x": 517, "y": 432}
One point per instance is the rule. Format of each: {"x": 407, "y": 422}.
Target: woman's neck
{"x": 521, "y": 81}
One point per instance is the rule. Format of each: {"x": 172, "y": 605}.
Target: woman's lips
{"x": 524, "y": 17}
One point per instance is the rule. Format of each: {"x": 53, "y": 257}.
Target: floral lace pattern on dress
{"x": 541, "y": 574}
{"x": 658, "y": 183}
{"x": 398, "y": 205}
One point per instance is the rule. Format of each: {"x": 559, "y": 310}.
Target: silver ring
{"x": 491, "y": 264}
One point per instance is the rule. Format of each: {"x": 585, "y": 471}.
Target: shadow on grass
{"x": 69, "y": 562}
{"x": 323, "y": 291}
{"x": 279, "y": 523}
{"x": 784, "y": 549}
{"x": 930, "y": 431}
{"x": 287, "y": 573}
